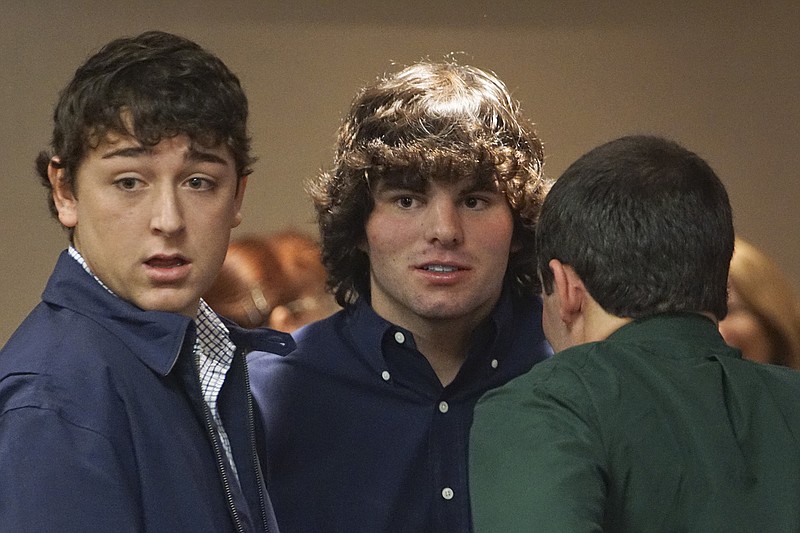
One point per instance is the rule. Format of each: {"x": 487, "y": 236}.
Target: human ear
{"x": 238, "y": 200}
{"x": 570, "y": 290}
{"x": 63, "y": 193}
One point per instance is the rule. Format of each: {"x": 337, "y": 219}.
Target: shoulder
{"x": 59, "y": 340}
{"x": 789, "y": 377}
{"x": 315, "y": 344}
{"x": 64, "y": 387}
{"x": 561, "y": 378}
{"x": 781, "y": 382}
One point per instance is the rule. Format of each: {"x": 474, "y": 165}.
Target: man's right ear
{"x": 63, "y": 193}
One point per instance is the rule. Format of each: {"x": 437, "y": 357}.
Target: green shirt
{"x": 660, "y": 427}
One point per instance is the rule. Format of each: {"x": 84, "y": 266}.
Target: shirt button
{"x": 443, "y": 407}
{"x": 447, "y": 493}
{"x": 385, "y": 375}
{"x": 399, "y": 337}
{"x": 494, "y": 363}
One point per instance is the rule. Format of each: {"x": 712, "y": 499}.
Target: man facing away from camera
{"x": 645, "y": 420}
{"x": 124, "y": 403}
{"x": 427, "y": 223}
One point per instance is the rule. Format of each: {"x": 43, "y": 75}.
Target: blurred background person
{"x": 763, "y": 312}
{"x": 307, "y": 298}
{"x": 275, "y": 280}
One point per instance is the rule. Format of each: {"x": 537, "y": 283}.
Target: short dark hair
{"x": 440, "y": 121}
{"x": 647, "y": 226}
{"x": 153, "y": 86}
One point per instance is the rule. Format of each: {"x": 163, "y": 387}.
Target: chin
{"x": 172, "y": 305}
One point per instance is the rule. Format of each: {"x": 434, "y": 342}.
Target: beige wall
{"x": 721, "y": 77}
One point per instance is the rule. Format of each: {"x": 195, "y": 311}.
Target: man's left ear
{"x": 570, "y": 288}
{"x": 238, "y": 200}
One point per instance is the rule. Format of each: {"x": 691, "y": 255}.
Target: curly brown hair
{"x": 440, "y": 121}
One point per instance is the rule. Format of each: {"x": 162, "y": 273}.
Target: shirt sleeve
{"x": 536, "y": 463}
{"x": 57, "y": 476}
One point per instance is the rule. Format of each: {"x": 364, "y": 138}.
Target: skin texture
{"x": 744, "y": 330}
{"x": 153, "y": 223}
{"x": 466, "y": 230}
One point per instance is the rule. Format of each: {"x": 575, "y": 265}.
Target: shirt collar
{"x": 369, "y": 330}
{"x": 661, "y": 328}
{"x": 213, "y": 338}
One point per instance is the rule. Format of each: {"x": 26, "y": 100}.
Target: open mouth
{"x": 440, "y": 268}
{"x": 166, "y": 262}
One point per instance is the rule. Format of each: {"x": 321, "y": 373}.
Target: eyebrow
{"x": 192, "y": 155}
{"x": 421, "y": 185}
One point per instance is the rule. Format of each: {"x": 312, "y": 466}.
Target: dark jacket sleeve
{"x": 56, "y": 475}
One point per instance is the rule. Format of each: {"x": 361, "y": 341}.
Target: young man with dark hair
{"x": 124, "y": 399}
{"x": 427, "y": 223}
{"x": 646, "y": 421}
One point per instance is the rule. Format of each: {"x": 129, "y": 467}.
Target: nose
{"x": 167, "y": 217}
{"x": 443, "y": 223}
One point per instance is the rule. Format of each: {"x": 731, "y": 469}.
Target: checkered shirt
{"x": 213, "y": 356}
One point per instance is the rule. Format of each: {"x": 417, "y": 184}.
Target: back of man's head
{"x": 647, "y": 226}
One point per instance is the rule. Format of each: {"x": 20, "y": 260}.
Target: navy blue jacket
{"x": 360, "y": 435}
{"x": 103, "y": 426}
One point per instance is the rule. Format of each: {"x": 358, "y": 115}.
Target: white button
{"x": 399, "y": 337}
{"x": 494, "y": 363}
{"x": 447, "y": 493}
{"x": 385, "y": 375}
{"x": 443, "y": 407}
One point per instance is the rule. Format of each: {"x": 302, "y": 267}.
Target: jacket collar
{"x": 155, "y": 337}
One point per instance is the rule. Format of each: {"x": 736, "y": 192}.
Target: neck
{"x": 445, "y": 347}
{"x": 444, "y": 343}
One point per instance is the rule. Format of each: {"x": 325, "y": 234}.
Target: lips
{"x": 440, "y": 268}
{"x": 166, "y": 261}
{"x": 168, "y": 269}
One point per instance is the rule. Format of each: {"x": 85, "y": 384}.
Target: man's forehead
{"x": 422, "y": 182}
{"x": 115, "y": 140}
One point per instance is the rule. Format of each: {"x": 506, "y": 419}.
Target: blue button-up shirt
{"x": 359, "y": 433}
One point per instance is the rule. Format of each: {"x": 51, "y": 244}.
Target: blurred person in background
{"x": 763, "y": 313}
{"x": 275, "y": 280}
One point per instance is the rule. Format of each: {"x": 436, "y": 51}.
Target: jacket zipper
{"x": 221, "y": 465}
{"x": 252, "y": 429}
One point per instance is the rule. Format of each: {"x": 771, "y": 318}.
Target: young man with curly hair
{"x": 427, "y": 222}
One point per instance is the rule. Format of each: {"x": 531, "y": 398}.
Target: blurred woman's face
{"x": 744, "y": 330}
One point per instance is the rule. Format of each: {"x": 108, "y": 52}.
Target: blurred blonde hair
{"x": 767, "y": 293}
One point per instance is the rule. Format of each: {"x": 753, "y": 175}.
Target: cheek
{"x": 382, "y": 237}
{"x": 498, "y": 228}
{"x": 550, "y": 318}
{"x": 737, "y": 328}
{"x": 744, "y": 331}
